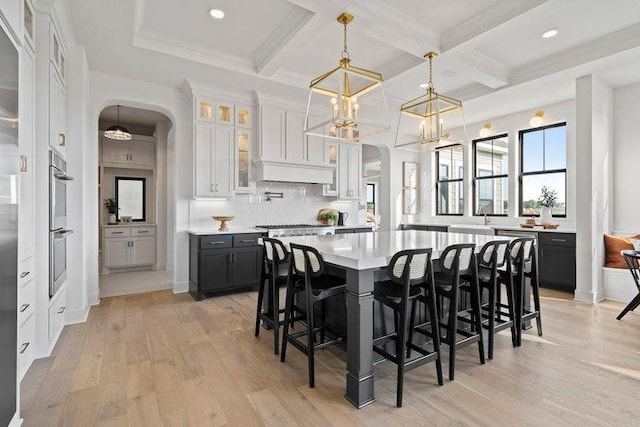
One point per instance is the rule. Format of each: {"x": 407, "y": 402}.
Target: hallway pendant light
{"x": 349, "y": 100}
{"x": 422, "y": 120}
{"x": 118, "y": 132}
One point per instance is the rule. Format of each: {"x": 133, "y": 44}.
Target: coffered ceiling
{"x": 489, "y": 49}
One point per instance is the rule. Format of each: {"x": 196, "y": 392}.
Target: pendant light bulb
{"x": 536, "y": 120}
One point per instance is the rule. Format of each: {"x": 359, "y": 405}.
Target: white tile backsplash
{"x": 300, "y": 205}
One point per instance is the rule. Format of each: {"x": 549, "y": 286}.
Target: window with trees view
{"x": 449, "y": 185}
{"x": 490, "y": 175}
{"x": 543, "y": 163}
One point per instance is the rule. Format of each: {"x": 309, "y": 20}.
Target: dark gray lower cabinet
{"x": 424, "y": 227}
{"x": 557, "y": 260}
{"x": 222, "y": 263}
{"x": 353, "y": 230}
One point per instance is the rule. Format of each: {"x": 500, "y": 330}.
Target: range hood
{"x": 269, "y": 170}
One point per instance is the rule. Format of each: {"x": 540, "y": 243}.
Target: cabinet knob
{"x": 23, "y": 163}
{"x": 62, "y": 139}
{"x": 24, "y": 347}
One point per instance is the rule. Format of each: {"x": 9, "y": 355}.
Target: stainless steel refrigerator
{"x": 8, "y": 226}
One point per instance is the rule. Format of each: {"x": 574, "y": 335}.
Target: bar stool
{"x": 276, "y": 259}
{"x": 408, "y": 272}
{"x": 523, "y": 265}
{"x": 491, "y": 258}
{"x": 307, "y": 273}
{"x": 456, "y": 262}
{"x": 632, "y": 258}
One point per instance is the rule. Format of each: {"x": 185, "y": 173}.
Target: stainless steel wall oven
{"x": 58, "y": 231}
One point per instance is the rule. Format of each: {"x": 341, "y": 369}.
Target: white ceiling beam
{"x": 301, "y": 27}
{"x": 480, "y": 68}
{"x": 469, "y": 33}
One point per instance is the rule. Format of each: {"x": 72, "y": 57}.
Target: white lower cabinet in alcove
{"x": 129, "y": 246}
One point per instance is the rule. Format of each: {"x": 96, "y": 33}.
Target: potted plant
{"x": 547, "y": 200}
{"x": 328, "y": 216}
{"x": 112, "y": 208}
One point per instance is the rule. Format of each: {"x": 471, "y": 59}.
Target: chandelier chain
{"x": 345, "y": 52}
{"x": 430, "y": 72}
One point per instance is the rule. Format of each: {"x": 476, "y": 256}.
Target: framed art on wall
{"x": 410, "y": 174}
{"x": 410, "y": 201}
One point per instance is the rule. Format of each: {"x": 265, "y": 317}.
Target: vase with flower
{"x": 112, "y": 209}
{"x": 547, "y": 200}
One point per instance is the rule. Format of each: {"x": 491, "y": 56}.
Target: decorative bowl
{"x": 223, "y": 221}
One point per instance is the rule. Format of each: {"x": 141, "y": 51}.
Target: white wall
{"x": 626, "y": 159}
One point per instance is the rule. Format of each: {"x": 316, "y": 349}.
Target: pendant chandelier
{"x": 118, "y": 132}
{"x": 337, "y": 96}
{"x": 422, "y": 120}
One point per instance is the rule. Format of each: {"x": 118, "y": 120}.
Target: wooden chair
{"x": 276, "y": 259}
{"x": 409, "y": 271}
{"x": 307, "y": 274}
{"x": 632, "y": 258}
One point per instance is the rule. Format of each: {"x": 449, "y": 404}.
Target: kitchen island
{"x": 363, "y": 256}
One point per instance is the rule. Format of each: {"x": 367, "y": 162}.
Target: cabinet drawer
{"x": 26, "y": 343}
{"x": 143, "y": 231}
{"x": 246, "y": 240}
{"x": 25, "y": 271}
{"x": 57, "y": 307}
{"x": 26, "y": 300}
{"x": 117, "y": 232}
{"x": 216, "y": 242}
{"x": 557, "y": 239}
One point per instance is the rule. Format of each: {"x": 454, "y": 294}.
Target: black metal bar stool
{"x": 632, "y": 258}
{"x": 409, "y": 271}
{"x": 455, "y": 263}
{"x": 274, "y": 274}
{"x": 523, "y": 265}
{"x": 307, "y": 274}
{"x": 492, "y": 257}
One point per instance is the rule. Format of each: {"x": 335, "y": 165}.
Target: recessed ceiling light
{"x": 549, "y": 33}
{"x": 424, "y": 85}
{"x": 216, "y": 13}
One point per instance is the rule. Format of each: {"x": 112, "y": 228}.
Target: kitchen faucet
{"x": 482, "y": 209}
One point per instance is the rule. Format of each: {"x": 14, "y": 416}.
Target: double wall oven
{"x": 58, "y": 231}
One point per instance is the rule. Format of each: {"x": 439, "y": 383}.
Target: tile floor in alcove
{"x": 134, "y": 282}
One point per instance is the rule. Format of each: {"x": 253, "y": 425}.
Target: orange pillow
{"x": 613, "y": 245}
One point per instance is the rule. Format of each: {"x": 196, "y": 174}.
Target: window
{"x": 371, "y": 198}
{"x": 543, "y": 162}
{"x": 449, "y": 185}
{"x": 490, "y": 175}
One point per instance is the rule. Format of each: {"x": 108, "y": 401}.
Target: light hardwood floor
{"x": 163, "y": 359}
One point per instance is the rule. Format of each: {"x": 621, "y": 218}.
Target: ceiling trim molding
{"x": 193, "y": 87}
{"x": 468, "y": 33}
{"x": 273, "y": 48}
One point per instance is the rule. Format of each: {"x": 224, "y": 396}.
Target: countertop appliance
{"x": 58, "y": 232}
{"x": 286, "y": 230}
{"x": 8, "y": 227}
{"x": 342, "y": 218}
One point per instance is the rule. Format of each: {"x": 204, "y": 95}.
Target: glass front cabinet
{"x": 331, "y": 158}
{"x": 242, "y": 169}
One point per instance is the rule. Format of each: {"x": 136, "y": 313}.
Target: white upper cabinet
{"x": 242, "y": 168}
{"x": 139, "y": 152}
{"x": 225, "y": 113}
{"x": 243, "y": 116}
{"x": 330, "y": 157}
{"x": 57, "y": 113}
{"x": 295, "y": 147}
{"x": 213, "y": 159}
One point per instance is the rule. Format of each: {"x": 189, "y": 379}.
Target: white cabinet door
{"x": 330, "y": 157}
{"x": 116, "y": 252}
{"x": 57, "y": 113}
{"x": 349, "y": 175}
{"x": 315, "y": 144}
{"x": 272, "y": 133}
{"x": 114, "y": 151}
{"x": 57, "y": 307}
{"x": 294, "y": 138}
{"x": 143, "y": 250}
{"x": 62, "y": 119}
{"x": 224, "y": 161}
{"x": 26, "y": 140}
{"x": 142, "y": 152}
{"x": 204, "y": 156}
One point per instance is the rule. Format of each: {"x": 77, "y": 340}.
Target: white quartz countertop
{"x": 129, "y": 224}
{"x": 463, "y": 226}
{"x": 212, "y": 231}
{"x": 363, "y": 251}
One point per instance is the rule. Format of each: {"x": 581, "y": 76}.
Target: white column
{"x": 594, "y": 129}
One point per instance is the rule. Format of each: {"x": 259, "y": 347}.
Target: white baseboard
{"x": 181, "y": 287}
{"x": 76, "y": 316}
{"x": 588, "y": 296}
{"x": 94, "y": 299}
{"x": 16, "y": 420}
